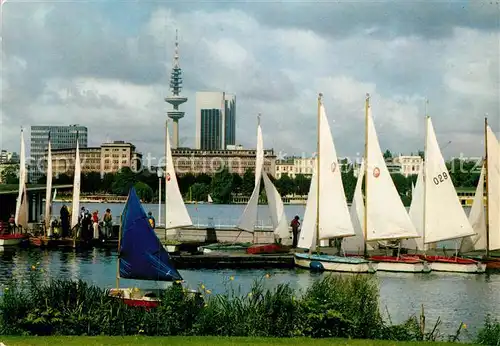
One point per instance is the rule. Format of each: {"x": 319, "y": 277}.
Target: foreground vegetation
{"x": 199, "y": 341}
{"x": 334, "y": 307}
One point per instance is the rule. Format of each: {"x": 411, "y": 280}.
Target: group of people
{"x": 90, "y": 225}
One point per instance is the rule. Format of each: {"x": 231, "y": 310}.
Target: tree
{"x": 221, "y": 186}
{"x": 107, "y": 182}
{"x": 185, "y": 182}
{"x": 91, "y": 182}
{"x": 401, "y": 183}
{"x": 302, "y": 184}
{"x": 285, "y": 185}
{"x": 123, "y": 181}
{"x": 387, "y": 155}
{"x": 248, "y": 182}
{"x": 199, "y": 191}
{"x": 9, "y": 174}
{"x": 204, "y": 178}
{"x": 144, "y": 191}
{"x": 237, "y": 183}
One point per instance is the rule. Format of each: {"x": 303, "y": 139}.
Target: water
{"x": 453, "y": 297}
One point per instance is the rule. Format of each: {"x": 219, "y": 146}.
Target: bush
{"x": 490, "y": 333}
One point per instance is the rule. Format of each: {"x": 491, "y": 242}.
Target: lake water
{"x": 453, "y": 297}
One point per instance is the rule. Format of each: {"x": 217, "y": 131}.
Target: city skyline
{"x": 440, "y": 51}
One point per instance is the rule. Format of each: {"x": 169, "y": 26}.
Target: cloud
{"x": 107, "y": 65}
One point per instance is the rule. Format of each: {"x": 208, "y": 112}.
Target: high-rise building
{"x": 61, "y": 137}
{"x": 215, "y": 120}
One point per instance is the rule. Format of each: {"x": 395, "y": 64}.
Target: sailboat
{"x": 484, "y": 218}
{"x": 443, "y": 217}
{"x": 247, "y": 221}
{"x": 210, "y": 200}
{"x": 21, "y": 214}
{"x": 141, "y": 256}
{"x": 385, "y": 217}
{"x": 176, "y": 214}
{"x": 326, "y": 215}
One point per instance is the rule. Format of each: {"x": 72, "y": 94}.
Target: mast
{"x": 118, "y": 256}
{"x": 166, "y": 177}
{"x": 365, "y": 216}
{"x": 486, "y": 186}
{"x": 424, "y": 174}
{"x": 320, "y": 96}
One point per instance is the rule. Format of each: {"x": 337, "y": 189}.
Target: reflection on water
{"x": 453, "y": 297}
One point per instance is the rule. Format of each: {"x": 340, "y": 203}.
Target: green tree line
{"x": 223, "y": 185}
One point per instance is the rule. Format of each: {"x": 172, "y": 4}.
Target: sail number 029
{"x": 440, "y": 178}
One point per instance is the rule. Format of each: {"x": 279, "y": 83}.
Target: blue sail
{"x": 142, "y": 256}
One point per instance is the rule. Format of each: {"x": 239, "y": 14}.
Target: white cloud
{"x": 117, "y": 75}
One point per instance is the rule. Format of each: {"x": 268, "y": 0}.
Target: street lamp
{"x": 159, "y": 173}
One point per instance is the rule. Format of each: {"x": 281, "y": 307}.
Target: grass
{"x": 196, "y": 341}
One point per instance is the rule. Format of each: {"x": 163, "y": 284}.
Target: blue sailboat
{"x": 141, "y": 256}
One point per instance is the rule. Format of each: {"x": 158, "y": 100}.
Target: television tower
{"x": 175, "y": 99}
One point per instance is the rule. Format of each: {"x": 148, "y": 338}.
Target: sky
{"x": 106, "y": 65}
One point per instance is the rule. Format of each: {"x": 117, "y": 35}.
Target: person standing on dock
{"x": 64, "y": 221}
{"x": 151, "y": 220}
{"x": 108, "y": 223}
{"x": 95, "y": 223}
{"x": 295, "y": 224}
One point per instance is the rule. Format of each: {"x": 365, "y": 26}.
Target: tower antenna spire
{"x": 175, "y": 99}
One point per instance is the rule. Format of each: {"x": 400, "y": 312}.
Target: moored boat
{"x": 267, "y": 249}
{"x": 385, "y": 217}
{"x": 12, "y": 239}
{"x": 454, "y": 264}
{"x": 322, "y": 262}
{"x": 327, "y": 214}
{"x": 402, "y": 264}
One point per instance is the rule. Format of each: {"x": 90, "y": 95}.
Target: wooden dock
{"x": 233, "y": 261}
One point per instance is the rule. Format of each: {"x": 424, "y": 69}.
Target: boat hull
{"x": 45, "y": 242}
{"x": 132, "y": 297}
{"x": 455, "y": 264}
{"x": 400, "y": 265}
{"x": 333, "y": 263}
{"x": 267, "y": 249}
{"x": 11, "y": 239}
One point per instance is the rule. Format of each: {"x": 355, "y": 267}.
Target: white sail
{"x": 75, "y": 205}
{"x": 210, "y": 200}
{"x": 357, "y": 211}
{"x": 416, "y": 213}
{"x": 249, "y": 216}
{"x": 176, "y": 214}
{"x": 477, "y": 219}
{"x": 334, "y": 218}
{"x": 387, "y": 216}
{"x": 276, "y": 209}
{"x": 23, "y": 210}
{"x": 22, "y": 182}
{"x": 493, "y": 189}
{"x": 445, "y": 218}
{"x": 48, "y": 192}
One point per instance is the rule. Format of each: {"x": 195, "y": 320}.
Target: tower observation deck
{"x": 175, "y": 99}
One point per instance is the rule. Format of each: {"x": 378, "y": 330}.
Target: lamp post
{"x": 159, "y": 172}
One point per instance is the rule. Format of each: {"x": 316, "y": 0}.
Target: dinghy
{"x": 141, "y": 256}
{"x": 327, "y": 215}
{"x": 275, "y": 204}
{"x": 385, "y": 217}
{"x": 443, "y": 215}
{"x": 485, "y": 218}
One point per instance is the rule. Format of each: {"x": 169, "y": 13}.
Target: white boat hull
{"x": 402, "y": 267}
{"x": 10, "y": 242}
{"x": 458, "y": 267}
{"x": 336, "y": 266}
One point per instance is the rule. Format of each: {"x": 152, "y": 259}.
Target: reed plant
{"x": 334, "y": 306}
{"x": 489, "y": 334}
